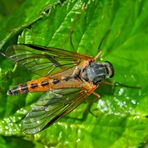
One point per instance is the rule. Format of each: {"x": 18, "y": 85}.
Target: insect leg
{"x": 107, "y": 83}
{"x": 117, "y": 84}
{"x": 98, "y": 55}
{"x": 103, "y": 39}
{"x": 85, "y": 113}
{"x": 88, "y": 107}
{"x": 97, "y": 95}
{"x": 88, "y": 88}
{"x": 100, "y": 45}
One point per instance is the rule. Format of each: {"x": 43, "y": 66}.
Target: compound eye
{"x": 110, "y": 69}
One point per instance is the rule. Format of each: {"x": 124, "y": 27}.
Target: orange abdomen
{"x": 45, "y": 84}
{"x": 42, "y": 84}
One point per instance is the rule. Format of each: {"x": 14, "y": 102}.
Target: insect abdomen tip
{"x": 9, "y": 93}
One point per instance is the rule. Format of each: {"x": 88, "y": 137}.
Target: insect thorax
{"x": 96, "y": 72}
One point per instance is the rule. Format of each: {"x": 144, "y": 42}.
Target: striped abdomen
{"x": 31, "y": 86}
{"x": 45, "y": 84}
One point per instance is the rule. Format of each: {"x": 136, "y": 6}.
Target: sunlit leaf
{"x": 121, "y": 115}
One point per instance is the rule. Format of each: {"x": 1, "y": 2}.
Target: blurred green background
{"x": 122, "y": 113}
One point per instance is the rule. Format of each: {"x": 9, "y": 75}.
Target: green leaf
{"x": 5, "y": 6}
{"x": 121, "y": 115}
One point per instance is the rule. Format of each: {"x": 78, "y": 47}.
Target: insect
{"x": 66, "y": 78}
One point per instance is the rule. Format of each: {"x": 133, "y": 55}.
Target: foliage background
{"x": 122, "y": 112}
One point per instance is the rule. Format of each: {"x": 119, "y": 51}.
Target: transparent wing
{"x": 52, "y": 106}
{"x": 43, "y": 60}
